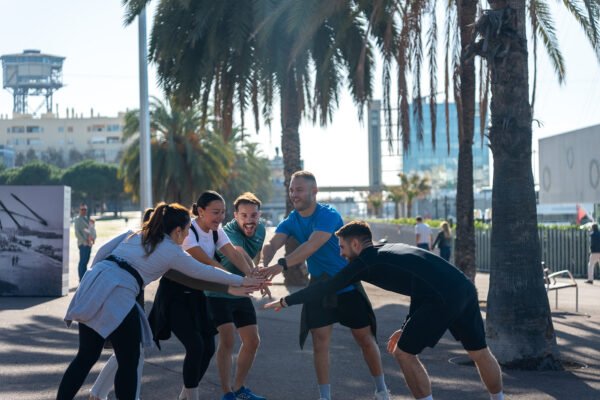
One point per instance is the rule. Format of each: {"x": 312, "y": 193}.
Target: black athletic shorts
{"x": 351, "y": 310}
{"x": 225, "y": 310}
{"x": 430, "y": 320}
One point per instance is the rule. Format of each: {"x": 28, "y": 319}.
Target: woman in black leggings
{"x": 105, "y": 301}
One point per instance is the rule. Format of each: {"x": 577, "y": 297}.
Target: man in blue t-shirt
{"x": 313, "y": 225}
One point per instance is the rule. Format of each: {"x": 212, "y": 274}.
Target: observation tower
{"x": 31, "y": 73}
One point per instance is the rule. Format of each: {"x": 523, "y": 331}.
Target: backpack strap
{"x": 215, "y": 240}
{"x": 195, "y": 232}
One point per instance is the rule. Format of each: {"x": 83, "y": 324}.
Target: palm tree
{"x": 516, "y": 276}
{"x": 515, "y": 245}
{"x": 397, "y": 195}
{"x": 247, "y": 172}
{"x": 204, "y": 51}
{"x": 411, "y": 187}
{"x": 374, "y": 203}
{"x": 415, "y": 187}
{"x": 186, "y": 159}
{"x": 305, "y": 49}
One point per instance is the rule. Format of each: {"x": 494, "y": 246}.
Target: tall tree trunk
{"x": 290, "y": 149}
{"x": 519, "y": 322}
{"x": 465, "y": 229}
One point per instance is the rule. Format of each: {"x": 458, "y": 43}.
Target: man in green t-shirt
{"x": 247, "y": 234}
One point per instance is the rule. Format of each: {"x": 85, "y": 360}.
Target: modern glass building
{"x": 439, "y": 164}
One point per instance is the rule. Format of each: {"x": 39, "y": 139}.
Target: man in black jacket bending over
{"x": 442, "y": 297}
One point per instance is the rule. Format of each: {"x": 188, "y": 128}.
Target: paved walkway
{"x": 36, "y": 347}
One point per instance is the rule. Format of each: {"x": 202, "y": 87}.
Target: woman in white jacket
{"x": 105, "y": 305}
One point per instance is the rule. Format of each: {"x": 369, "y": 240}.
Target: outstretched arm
{"x": 354, "y": 272}
{"x": 302, "y": 252}
{"x": 269, "y": 249}
{"x": 237, "y": 258}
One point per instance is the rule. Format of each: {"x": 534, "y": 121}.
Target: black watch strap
{"x": 283, "y": 263}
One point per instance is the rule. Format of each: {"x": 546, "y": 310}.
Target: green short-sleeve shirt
{"x": 252, "y": 245}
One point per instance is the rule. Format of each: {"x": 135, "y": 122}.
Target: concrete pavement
{"x": 36, "y": 347}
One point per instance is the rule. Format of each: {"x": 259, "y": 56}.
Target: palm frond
{"x": 543, "y": 27}
{"x": 432, "y": 42}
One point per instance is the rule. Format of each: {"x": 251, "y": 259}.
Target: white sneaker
{"x": 382, "y": 395}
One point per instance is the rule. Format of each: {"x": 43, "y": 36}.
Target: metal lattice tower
{"x": 31, "y": 73}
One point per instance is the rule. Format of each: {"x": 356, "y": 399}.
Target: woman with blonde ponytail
{"x": 104, "y": 304}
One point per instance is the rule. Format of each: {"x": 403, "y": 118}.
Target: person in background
{"x": 443, "y": 241}
{"x": 594, "y": 252}
{"x": 83, "y": 235}
{"x": 422, "y": 234}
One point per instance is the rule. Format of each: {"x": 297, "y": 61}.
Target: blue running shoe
{"x": 229, "y": 396}
{"x": 246, "y": 394}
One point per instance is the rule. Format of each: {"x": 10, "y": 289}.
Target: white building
{"x": 96, "y": 137}
{"x": 569, "y": 167}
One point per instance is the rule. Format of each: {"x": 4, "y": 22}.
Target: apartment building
{"x": 95, "y": 137}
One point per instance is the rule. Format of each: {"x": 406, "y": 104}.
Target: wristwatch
{"x": 283, "y": 263}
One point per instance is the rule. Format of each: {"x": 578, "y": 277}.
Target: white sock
{"x": 430, "y": 397}
{"x": 497, "y": 396}
{"x": 325, "y": 391}
{"x": 379, "y": 381}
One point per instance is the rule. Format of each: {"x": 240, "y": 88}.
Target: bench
{"x": 560, "y": 280}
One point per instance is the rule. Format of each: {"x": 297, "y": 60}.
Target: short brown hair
{"x": 309, "y": 176}
{"x": 247, "y": 198}
{"x": 355, "y": 229}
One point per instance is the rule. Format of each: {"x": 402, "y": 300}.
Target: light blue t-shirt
{"x": 327, "y": 258}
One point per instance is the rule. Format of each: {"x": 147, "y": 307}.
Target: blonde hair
{"x": 446, "y": 229}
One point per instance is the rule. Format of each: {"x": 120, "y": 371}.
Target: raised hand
{"x": 276, "y": 305}
{"x": 254, "y": 282}
{"x": 271, "y": 271}
{"x": 393, "y": 341}
{"x": 241, "y": 291}
{"x": 264, "y": 289}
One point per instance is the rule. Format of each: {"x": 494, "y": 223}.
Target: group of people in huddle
{"x": 207, "y": 272}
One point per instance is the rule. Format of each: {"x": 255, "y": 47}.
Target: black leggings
{"x": 125, "y": 340}
{"x": 199, "y": 345}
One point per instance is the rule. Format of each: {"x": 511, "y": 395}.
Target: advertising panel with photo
{"x": 34, "y": 240}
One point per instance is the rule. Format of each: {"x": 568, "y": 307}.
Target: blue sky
{"x": 101, "y": 72}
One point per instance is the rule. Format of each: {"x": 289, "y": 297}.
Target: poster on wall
{"x": 34, "y": 240}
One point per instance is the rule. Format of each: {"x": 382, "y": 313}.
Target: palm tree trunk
{"x": 290, "y": 137}
{"x": 465, "y": 229}
{"x": 290, "y": 149}
{"x": 519, "y": 322}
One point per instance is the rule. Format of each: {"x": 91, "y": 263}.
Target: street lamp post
{"x": 145, "y": 161}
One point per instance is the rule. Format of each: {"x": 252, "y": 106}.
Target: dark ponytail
{"x": 164, "y": 219}
{"x": 205, "y": 199}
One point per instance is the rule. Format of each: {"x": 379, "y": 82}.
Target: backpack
{"x": 215, "y": 240}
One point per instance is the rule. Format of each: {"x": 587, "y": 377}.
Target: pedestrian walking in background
{"x": 443, "y": 241}
{"x": 422, "y": 234}
{"x": 594, "y": 252}
{"x": 83, "y": 235}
